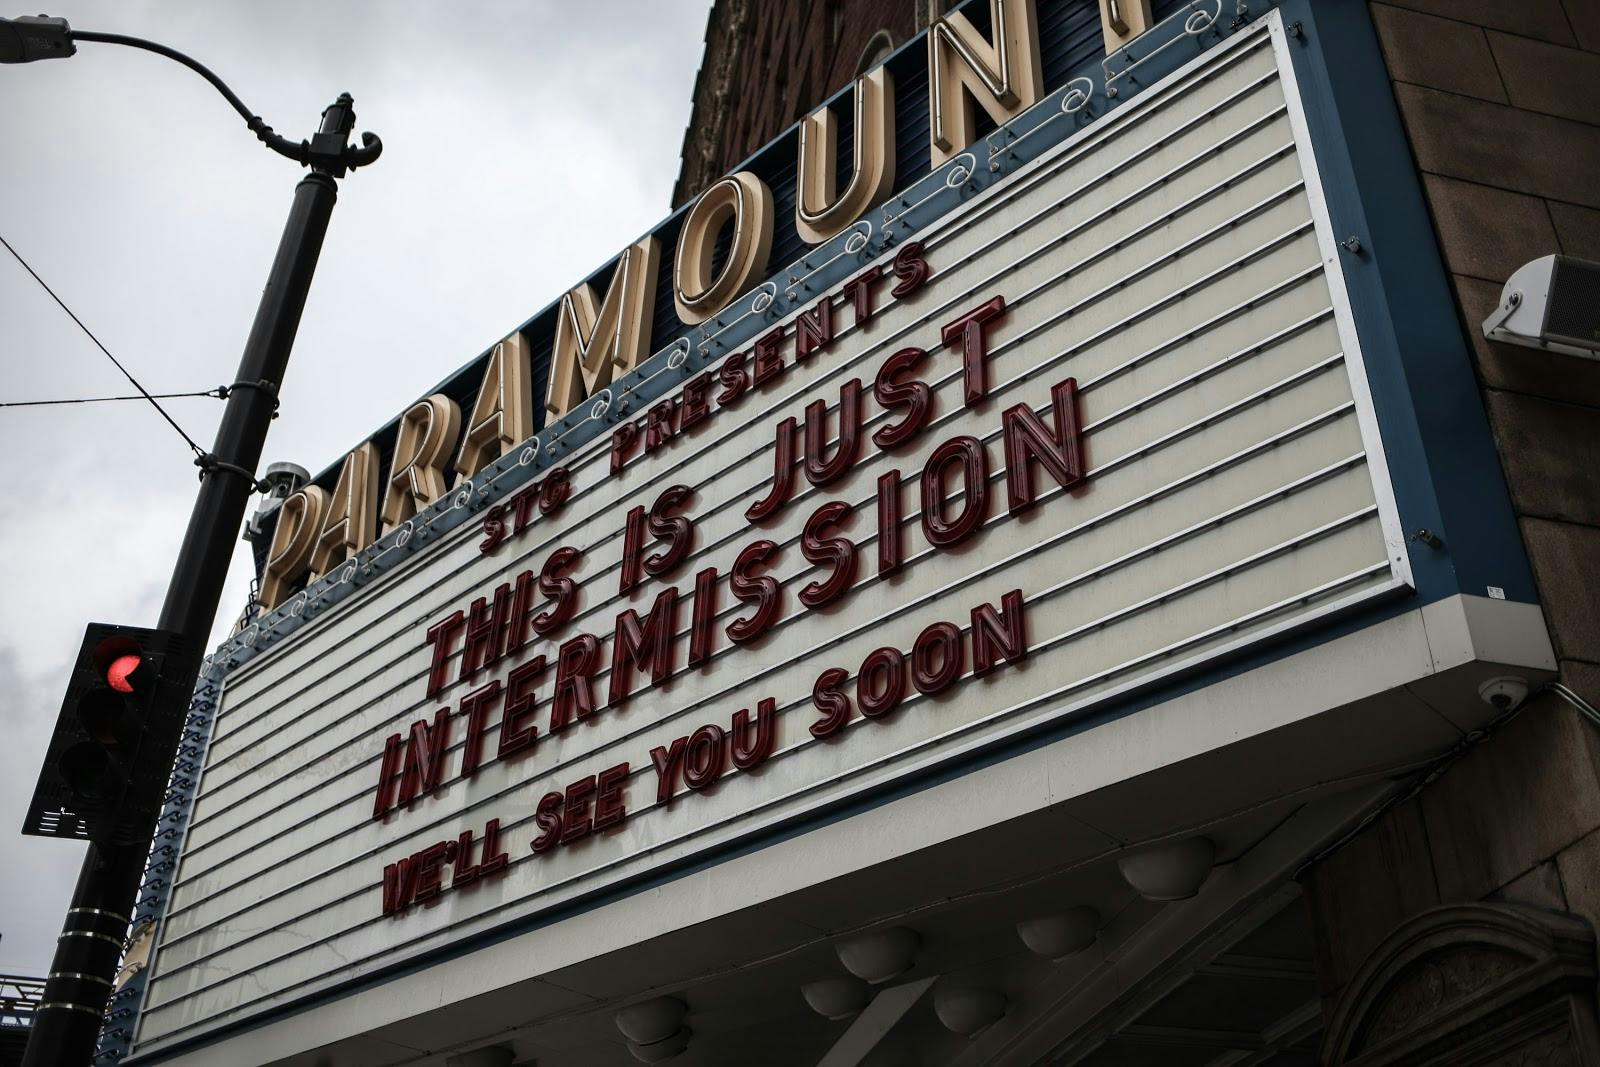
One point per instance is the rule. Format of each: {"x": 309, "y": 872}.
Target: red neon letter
{"x": 833, "y": 704}
{"x": 971, "y": 330}
{"x": 576, "y": 664}
{"x": 968, "y": 454}
{"x": 649, "y": 646}
{"x": 442, "y": 636}
{"x": 996, "y": 637}
{"x": 893, "y": 388}
{"x": 782, "y": 474}
{"x": 762, "y": 591}
{"x": 1027, "y": 439}
{"x": 838, "y": 551}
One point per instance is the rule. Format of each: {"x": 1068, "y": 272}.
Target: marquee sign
{"x": 1103, "y": 421}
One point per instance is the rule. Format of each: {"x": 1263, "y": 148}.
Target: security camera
{"x": 1504, "y": 693}
{"x": 281, "y": 481}
{"x": 1551, "y": 303}
{"x": 284, "y": 478}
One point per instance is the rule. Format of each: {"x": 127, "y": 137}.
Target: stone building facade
{"x": 1501, "y": 103}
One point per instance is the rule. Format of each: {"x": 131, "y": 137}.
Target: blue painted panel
{"x": 1446, "y": 471}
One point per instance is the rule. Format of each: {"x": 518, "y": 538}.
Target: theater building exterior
{"x": 1034, "y": 561}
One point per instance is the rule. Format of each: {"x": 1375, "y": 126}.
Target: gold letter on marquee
{"x": 818, "y": 213}
{"x": 289, "y": 557}
{"x": 1005, "y": 76}
{"x": 351, "y": 519}
{"x": 593, "y": 343}
{"x": 502, "y": 416}
{"x": 746, "y": 200}
{"x": 423, "y": 444}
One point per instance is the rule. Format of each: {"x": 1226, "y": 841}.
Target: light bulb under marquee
{"x": 1173, "y": 870}
{"x": 1058, "y": 936}
{"x": 836, "y": 998}
{"x": 880, "y": 955}
{"x": 652, "y": 1020}
{"x": 966, "y": 1010}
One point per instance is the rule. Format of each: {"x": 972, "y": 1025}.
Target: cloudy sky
{"x": 524, "y": 144}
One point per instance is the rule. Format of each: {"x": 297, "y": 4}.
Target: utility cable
{"x": 143, "y": 392}
{"x": 220, "y": 393}
{"x": 1586, "y": 709}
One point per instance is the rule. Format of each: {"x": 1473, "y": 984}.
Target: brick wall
{"x": 1501, "y": 102}
{"x": 767, "y": 63}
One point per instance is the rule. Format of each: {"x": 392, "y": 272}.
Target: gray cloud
{"x": 525, "y": 144}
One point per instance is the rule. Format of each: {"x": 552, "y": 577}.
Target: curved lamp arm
{"x": 26, "y": 39}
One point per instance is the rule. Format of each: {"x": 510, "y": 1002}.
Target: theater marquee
{"x": 1102, "y": 421}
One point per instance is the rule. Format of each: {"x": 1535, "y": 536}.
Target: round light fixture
{"x": 965, "y": 1010}
{"x": 650, "y": 1021}
{"x": 1173, "y": 870}
{"x": 880, "y": 955}
{"x": 837, "y": 998}
{"x": 1058, "y": 936}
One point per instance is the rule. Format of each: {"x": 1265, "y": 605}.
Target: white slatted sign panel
{"x": 1169, "y": 259}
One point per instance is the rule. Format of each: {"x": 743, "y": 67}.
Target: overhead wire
{"x": 143, "y": 392}
{"x": 219, "y": 393}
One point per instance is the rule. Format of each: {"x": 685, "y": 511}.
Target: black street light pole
{"x": 67, "y": 1024}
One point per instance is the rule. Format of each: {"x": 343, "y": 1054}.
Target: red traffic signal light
{"x": 119, "y": 674}
{"x": 123, "y": 664}
{"x": 111, "y": 712}
{"x": 93, "y": 782}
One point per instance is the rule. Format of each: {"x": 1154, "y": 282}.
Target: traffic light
{"x": 100, "y": 779}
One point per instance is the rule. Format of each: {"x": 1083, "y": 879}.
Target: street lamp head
{"x": 31, "y": 37}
